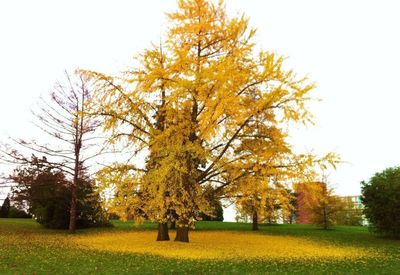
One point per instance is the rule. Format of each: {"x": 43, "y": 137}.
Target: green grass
{"x": 23, "y": 250}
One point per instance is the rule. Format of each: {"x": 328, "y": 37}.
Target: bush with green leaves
{"x": 17, "y": 213}
{"x": 46, "y": 192}
{"x": 381, "y": 199}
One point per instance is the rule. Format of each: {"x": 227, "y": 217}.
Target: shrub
{"x": 18, "y": 213}
{"x": 47, "y": 194}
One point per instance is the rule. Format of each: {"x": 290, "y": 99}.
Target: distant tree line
{"x": 324, "y": 208}
{"x": 10, "y": 211}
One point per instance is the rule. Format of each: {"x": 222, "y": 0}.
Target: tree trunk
{"x": 173, "y": 225}
{"x": 74, "y": 187}
{"x": 255, "y": 221}
{"x": 163, "y": 232}
{"x": 182, "y": 234}
{"x": 72, "y": 213}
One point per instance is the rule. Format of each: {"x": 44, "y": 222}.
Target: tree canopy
{"x": 207, "y": 107}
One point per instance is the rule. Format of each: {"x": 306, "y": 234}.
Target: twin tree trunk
{"x": 182, "y": 233}
{"x": 163, "y": 232}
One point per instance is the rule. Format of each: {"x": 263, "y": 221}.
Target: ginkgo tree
{"x": 191, "y": 103}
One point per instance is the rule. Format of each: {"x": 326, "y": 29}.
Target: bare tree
{"x": 64, "y": 119}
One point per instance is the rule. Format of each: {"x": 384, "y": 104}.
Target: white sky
{"x": 350, "y": 48}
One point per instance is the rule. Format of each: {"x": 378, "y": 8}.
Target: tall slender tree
{"x": 63, "y": 117}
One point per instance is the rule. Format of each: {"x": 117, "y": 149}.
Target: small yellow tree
{"x": 267, "y": 169}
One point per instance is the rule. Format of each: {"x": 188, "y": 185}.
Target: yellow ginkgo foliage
{"x": 193, "y": 103}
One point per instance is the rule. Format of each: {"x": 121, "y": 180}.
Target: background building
{"x": 305, "y": 198}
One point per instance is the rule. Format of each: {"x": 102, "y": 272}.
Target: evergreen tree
{"x": 381, "y": 199}
{"x": 5, "y": 208}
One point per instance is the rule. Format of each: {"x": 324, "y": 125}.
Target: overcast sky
{"x": 351, "y": 49}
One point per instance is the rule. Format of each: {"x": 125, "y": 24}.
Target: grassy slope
{"x": 20, "y": 253}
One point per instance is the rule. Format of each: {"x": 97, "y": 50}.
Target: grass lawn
{"x": 215, "y": 247}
